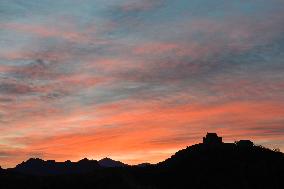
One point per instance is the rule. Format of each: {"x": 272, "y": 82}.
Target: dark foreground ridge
{"x": 211, "y": 164}
{"x": 36, "y": 166}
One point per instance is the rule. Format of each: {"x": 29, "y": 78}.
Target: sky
{"x": 137, "y": 80}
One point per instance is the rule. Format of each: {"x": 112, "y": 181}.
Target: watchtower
{"x": 212, "y": 138}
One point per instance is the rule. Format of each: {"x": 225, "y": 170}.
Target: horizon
{"x": 130, "y": 164}
{"x": 137, "y": 80}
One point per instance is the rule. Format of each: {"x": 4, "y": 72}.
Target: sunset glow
{"x": 136, "y": 80}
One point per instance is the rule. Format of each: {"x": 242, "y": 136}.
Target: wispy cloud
{"x": 137, "y": 80}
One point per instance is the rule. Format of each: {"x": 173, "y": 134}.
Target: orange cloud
{"x": 126, "y": 129}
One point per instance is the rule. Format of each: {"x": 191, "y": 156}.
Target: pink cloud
{"x": 122, "y": 129}
{"x": 44, "y": 31}
{"x": 68, "y": 32}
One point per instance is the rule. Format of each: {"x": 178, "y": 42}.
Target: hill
{"x": 211, "y": 164}
{"x": 107, "y": 162}
{"x": 36, "y": 166}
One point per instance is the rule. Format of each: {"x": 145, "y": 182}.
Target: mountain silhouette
{"x": 36, "y": 166}
{"x": 210, "y": 164}
{"x": 214, "y": 164}
{"x": 107, "y": 162}
{"x": 144, "y": 165}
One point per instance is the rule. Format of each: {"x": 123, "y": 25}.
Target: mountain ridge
{"x": 37, "y": 166}
{"x": 211, "y": 164}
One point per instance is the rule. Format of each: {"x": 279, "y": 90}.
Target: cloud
{"x": 140, "y": 5}
{"x": 15, "y": 88}
{"x": 151, "y": 125}
{"x": 45, "y": 32}
{"x": 138, "y": 80}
